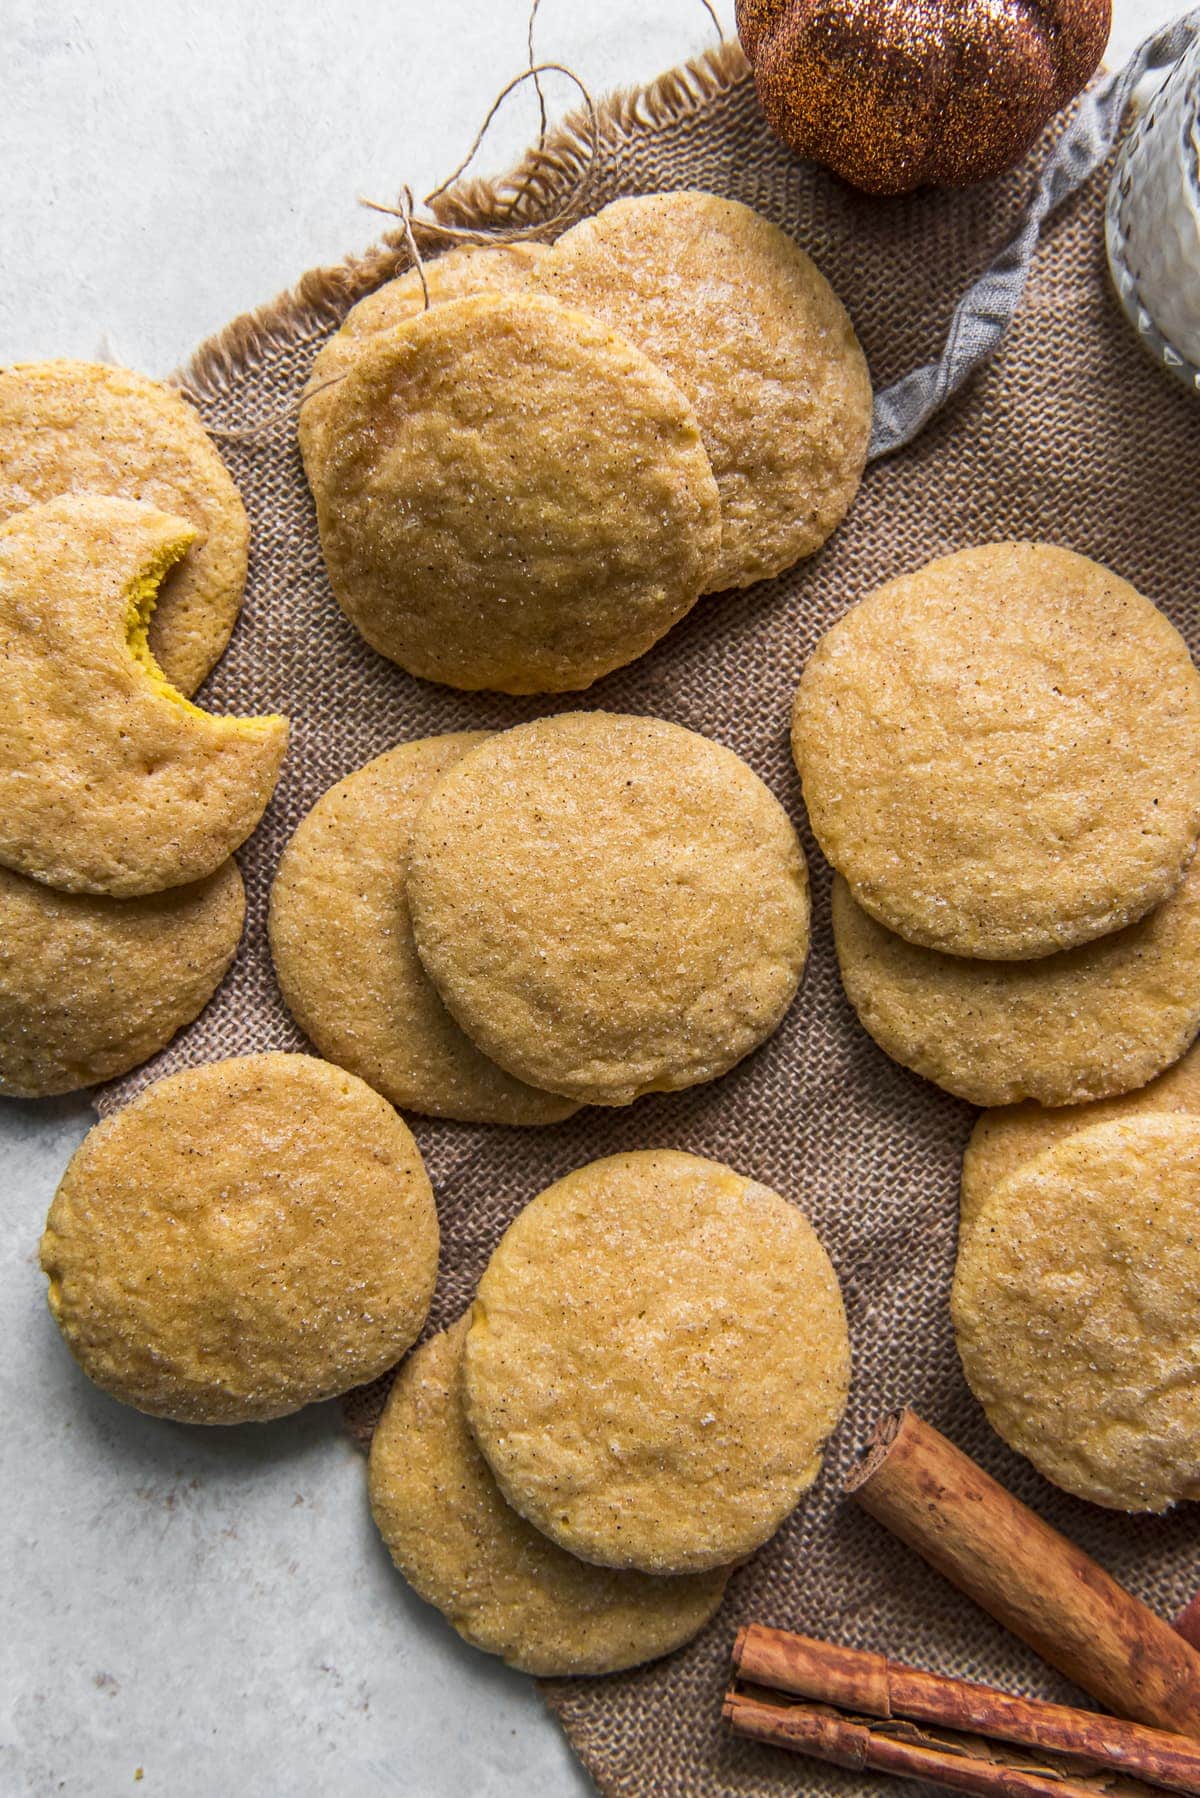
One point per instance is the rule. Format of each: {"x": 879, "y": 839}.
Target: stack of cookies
{"x": 122, "y": 563}
{"x": 639, "y": 1396}
{"x": 1001, "y": 757}
{"x": 574, "y": 912}
{"x": 530, "y": 461}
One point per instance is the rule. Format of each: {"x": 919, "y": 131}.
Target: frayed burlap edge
{"x": 544, "y": 182}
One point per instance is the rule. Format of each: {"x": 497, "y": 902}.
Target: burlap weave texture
{"x": 1070, "y": 435}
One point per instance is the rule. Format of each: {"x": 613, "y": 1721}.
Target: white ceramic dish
{"x": 1152, "y": 223}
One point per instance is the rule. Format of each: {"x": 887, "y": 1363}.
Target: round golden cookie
{"x": 1006, "y": 1138}
{"x": 759, "y": 342}
{"x": 608, "y": 905}
{"x": 502, "y": 1585}
{"x": 511, "y": 496}
{"x": 1083, "y": 1024}
{"x": 1076, "y": 1308}
{"x": 656, "y": 1358}
{"x": 82, "y": 427}
{"x": 241, "y": 1240}
{"x": 344, "y": 955}
{"x": 91, "y": 987}
{"x": 502, "y": 269}
{"x": 999, "y": 752}
{"x": 110, "y": 781}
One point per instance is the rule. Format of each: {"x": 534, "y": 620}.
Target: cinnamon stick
{"x": 1188, "y": 1622}
{"x": 1027, "y": 1576}
{"x": 855, "y": 1680}
{"x": 826, "y": 1736}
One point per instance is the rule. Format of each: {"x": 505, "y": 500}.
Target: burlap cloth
{"x": 1070, "y": 435}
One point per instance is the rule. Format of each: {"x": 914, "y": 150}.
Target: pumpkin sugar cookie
{"x": 82, "y": 427}
{"x": 242, "y": 1239}
{"x": 1005, "y": 1138}
{"x": 510, "y": 496}
{"x": 503, "y": 269}
{"x": 502, "y": 1585}
{"x": 1084, "y": 1024}
{"x": 344, "y": 956}
{"x": 754, "y": 335}
{"x": 91, "y": 987}
{"x": 110, "y": 781}
{"x": 609, "y": 906}
{"x": 1001, "y": 752}
{"x": 1076, "y": 1308}
{"x": 656, "y": 1358}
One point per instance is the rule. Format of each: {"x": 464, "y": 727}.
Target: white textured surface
{"x": 213, "y": 1606}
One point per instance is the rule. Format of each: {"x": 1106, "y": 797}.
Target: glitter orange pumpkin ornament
{"x": 898, "y": 94}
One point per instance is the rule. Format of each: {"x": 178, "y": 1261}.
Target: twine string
{"x": 537, "y": 79}
{"x": 534, "y": 72}
{"x": 517, "y": 198}
{"x": 256, "y": 433}
{"x": 571, "y": 206}
{"x": 404, "y": 212}
{"x": 709, "y": 8}
{"x": 575, "y": 200}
